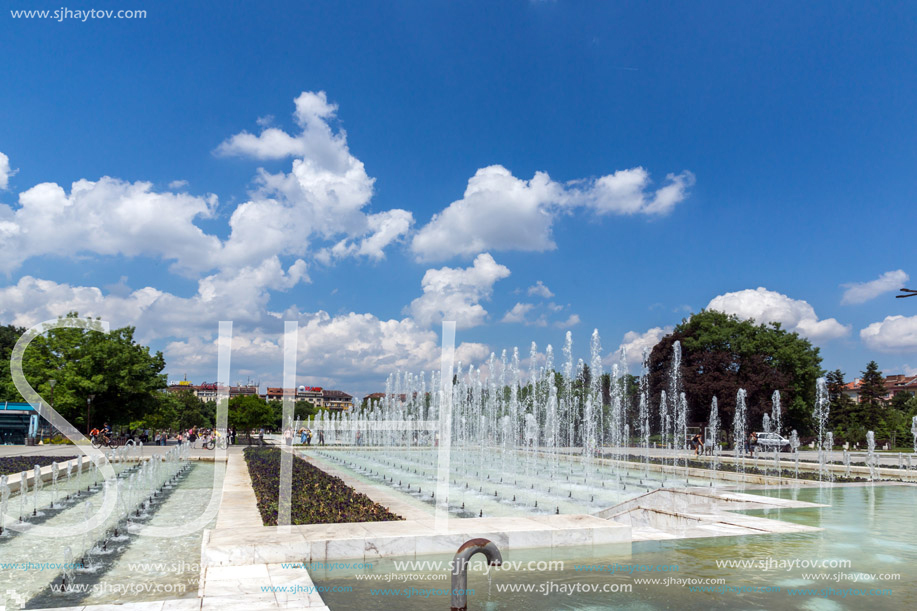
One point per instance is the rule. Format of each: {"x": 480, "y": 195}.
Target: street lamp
{"x": 89, "y": 412}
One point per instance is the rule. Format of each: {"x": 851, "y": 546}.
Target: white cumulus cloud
{"x": 894, "y": 334}
{"x": 571, "y": 321}
{"x": 518, "y": 312}
{"x": 324, "y": 195}
{"x": 539, "y": 289}
{"x": 766, "y": 306}
{"x": 384, "y": 228}
{"x": 5, "y": 172}
{"x": 354, "y": 351}
{"x": 348, "y": 349}
{"x": 501, "y": 212}
{"x": 633, "y": 343}
{"x": 861, "y": 292}
{"x": 107, "y": 217}
{"x": 316, "y": 140}
{"x": 456, "y": 293}
{"x": 241, "y": 296}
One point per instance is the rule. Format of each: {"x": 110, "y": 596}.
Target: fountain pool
{"x": 486, "y": 488}
{"x": 868, "y": 537}
{"x": 112, "y": 563}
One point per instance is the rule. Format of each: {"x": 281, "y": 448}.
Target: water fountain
{"x": 23, "y": 490}
{"x": 4, "y": 499}
{"x": 36, "y": 487}
{"x": 526, "y": 437}
{"x": 776, "y": 412}
{"x": 738, "y": 430}
{"x": 822, "y": 408}
{"x": 55, "y": 473}
{"x": 714, "y": 440}
{"x": 871, "y": 458}
{"x": 643, "y": 413}
{"x": 679, "y": 405}
{"x": 794, "y": 446}
{"x": 914, "y": 432}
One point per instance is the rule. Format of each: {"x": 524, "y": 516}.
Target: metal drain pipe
{"x": 460, "y": 568}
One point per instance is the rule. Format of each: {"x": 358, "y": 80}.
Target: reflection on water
{"x": 868, "y": 531}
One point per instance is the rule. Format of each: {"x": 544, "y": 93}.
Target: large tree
{"x": 721, "y": 354}
{"x": 122, "y": 376}
{"x": 872, "y": 396}
{"x": 843, "y": 414}
{"x": 249, "y": 412}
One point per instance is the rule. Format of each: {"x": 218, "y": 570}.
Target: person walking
{"x": 321, "y": 437}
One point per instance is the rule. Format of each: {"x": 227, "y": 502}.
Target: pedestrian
{"x": 321, "y": 437}
{"x": 698, "y": 443}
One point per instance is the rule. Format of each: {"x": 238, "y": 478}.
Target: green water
{"x": 867, "y": 531}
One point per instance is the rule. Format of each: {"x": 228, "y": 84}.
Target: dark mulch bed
{"x": 18, "y": 464}
{"x": 317, "y": 498}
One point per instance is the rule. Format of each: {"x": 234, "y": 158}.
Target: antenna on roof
{"x": 908, "y": 293}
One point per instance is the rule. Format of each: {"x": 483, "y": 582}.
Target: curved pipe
{"x": 460, "y": 568}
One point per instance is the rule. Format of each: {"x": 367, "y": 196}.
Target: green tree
{"x": 721, "y": 354}
{"x": 872, "y": 393}
{"x": 9, "y": 334}
{"x": 249, "y": 412}
{"x": 122, "y": 376}
{"x": 843, "y": 413}
{"x": 301, "y": 411}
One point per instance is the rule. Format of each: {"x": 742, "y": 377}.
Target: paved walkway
{"x": 238, "y": 507}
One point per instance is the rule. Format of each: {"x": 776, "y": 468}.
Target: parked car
{"x": 769, "y": 441}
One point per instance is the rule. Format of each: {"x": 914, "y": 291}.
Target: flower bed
{"x": 18, "y": 464}
{"x": 317, "y": 498}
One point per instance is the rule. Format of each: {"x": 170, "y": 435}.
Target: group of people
{"x": 105, "y": 433}
{"x": 194, "y": 434}
{"x": 305, "y": 437}
{"x": 751, "y": 443}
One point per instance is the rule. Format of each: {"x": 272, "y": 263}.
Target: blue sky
{"x": 641, "y": 160}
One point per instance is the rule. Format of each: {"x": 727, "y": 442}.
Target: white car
{"x": 769, "y": 441}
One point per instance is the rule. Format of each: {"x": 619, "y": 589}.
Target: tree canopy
{"x": 721, "y": 354}
{"x": 122, "y": 376}
{"x": 249, "y": 412}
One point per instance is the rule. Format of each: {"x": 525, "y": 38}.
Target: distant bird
{"x": 908, "y": 293}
